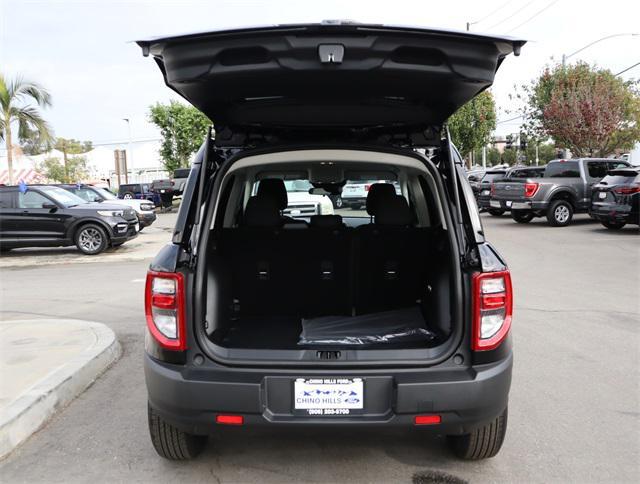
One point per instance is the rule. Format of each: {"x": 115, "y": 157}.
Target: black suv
{"x": 48, "y": 216}
{"x": 615, "y": 200}
{"x": 399, "y": 318}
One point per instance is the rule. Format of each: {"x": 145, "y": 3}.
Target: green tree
{"x": 182, "y": 128}
{"x": 72, "y": 147}
{"x": 16, "y": 108}
{"x": 34, "y": 144}
{"x": 585, "y": 109}
{"x": 74, "y": 170}
{"x": 546, "y": 153}
{"x": 471, "y": 125}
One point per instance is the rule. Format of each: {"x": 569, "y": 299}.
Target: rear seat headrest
{"x": 262, "y": 212}
{"x": 274, "y": 188}
{"x": 377, "y": 191}
{"x": 393, "y": 211}
{"x": 326, "y": 221}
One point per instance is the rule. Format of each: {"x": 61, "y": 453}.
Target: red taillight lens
{"x": 367, "y": 188}
{"x": 427, "y": 419}
{"x": 492, "y": 309}
{"x": 230, "y": 419}
{"x": 530, "y": 189}
{"x": 164, "y": 309}
{"x": 627, "y": 189}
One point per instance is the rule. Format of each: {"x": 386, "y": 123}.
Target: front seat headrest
{"x": 262, "y": 212}
{"x": 377, "y": 191}
{"x": 274, "y": 188}
{"x": 393, "y": 211}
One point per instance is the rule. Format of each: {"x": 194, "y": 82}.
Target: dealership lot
{"x": 575, "y": 399}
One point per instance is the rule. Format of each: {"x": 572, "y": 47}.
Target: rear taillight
{"x": 164, "y": 308}
{"x": 530, "y": 189}
{"x": 367, "y": 188}
{"x": 492, "y": 309}
{"x": 627, "y": 189}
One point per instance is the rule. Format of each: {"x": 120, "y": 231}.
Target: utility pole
{"x": 64, "y": 157}
{"x": 484, "y": 157}
{"x": 129, "y": 157}
{"x": 537, "y": 159}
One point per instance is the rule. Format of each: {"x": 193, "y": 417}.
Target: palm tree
{"x": 15, "y": 108}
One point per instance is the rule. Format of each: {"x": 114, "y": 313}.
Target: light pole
{"x": 129, "y": 157}
{"x": 565, "y": 57}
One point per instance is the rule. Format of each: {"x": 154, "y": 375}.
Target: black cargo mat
{"x": 262, "y": 333}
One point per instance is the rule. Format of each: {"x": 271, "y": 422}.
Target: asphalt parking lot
{"x": 574, "y": 411}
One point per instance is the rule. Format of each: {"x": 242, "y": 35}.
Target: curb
{"x": 31, "y": 410}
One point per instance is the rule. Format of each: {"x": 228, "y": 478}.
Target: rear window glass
{"x": 620, "y": 178}
{"x": 527, "y": 173}
{"x": 182, "y": 173}
{"x": 597, "y": 169}
{"x": 562, "y": 169}
{"x": 488, "y": 177}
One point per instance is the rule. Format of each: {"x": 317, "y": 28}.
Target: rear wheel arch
{"x": 564, "y": 195}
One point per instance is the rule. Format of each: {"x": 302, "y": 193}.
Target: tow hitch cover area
{"x": 336, "y": 76}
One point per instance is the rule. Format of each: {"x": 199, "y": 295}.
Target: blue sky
{"x": 81, "y": 50}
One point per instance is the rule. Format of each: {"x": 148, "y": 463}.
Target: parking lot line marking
{"x": 137, "y": 280}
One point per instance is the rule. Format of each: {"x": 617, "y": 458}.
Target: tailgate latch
{"x": 331, "y": 53}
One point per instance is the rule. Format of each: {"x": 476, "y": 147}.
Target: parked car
{"x": 302, "y": 204}
{"x": 398, "y": 318}
{"x": 144, "y": 209}
{"x": 164, "y": 189}
{"x": 483, "y": 193}
{"x": 498, "y": 207}
{"x": 354, "y": 193}
{"x": 564, "y": 189}
{"x": 139, "y": 191}
{"x": 615, "y": 200}
{"x": 179, "y": 180}
{"x": 49, "y": 216}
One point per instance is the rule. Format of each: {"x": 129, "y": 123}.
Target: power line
{"x": 512, "y": 15}
{"x": 491, "y": 13}
{"x": 628, "y": 68}
{"x": 533, "y": 16}
{"x": 510, "y": 119}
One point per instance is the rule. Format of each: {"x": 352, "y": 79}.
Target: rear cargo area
{"x": 329, "y": 287}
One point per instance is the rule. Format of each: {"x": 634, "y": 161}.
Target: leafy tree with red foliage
{"x": 585, "y": 109}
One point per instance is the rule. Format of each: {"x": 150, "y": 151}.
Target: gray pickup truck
{"x": 564, "y": 189}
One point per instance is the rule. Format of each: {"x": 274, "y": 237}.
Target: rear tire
{"x": 614, "y": 225}
{"x": 483, "y": 443}
{"x": 91, "y": 239}
{"x": 496, "y": 212}
{"x": 522, "y": 216}
{"x": 172, "y": 443}
{"x": 560, "y": 213}
{"x": 128, "y": 196}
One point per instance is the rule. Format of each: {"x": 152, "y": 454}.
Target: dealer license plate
{"x": 328, "y": 396}
{"x": 508, "y": 202}
{"x": 495, "y": 203}
{"x": 602, "y": 195}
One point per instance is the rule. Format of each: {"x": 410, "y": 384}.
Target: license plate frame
{"x": 328, "y": 397}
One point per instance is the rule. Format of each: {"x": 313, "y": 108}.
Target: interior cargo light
{"x": 492, "y": 309}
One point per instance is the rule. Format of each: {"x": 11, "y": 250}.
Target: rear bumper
{"x": 521, "y": 204}
{"x": 354, "y": 201}
{"x": 191, "y": 397}
{"x": 146, "y": 219}
{"x": 614, "y": 213}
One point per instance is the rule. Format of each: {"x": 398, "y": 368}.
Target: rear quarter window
{"x": 6, "y": 199}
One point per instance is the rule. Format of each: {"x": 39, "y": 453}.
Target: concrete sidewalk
{"x": 44, "y": 364}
